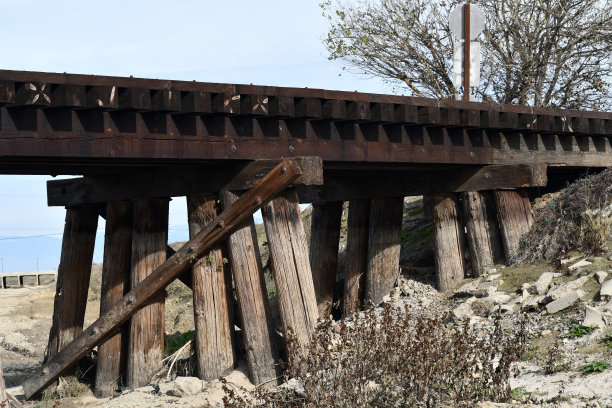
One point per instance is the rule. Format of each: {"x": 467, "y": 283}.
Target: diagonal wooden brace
{"x": 274, "y": 182}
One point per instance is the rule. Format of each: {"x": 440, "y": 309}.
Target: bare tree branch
{"x": 534, "y": 52}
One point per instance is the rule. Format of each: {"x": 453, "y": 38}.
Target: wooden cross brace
{"x": 283, "y": 175}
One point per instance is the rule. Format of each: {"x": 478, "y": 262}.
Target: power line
{"x": 31, "y": 236}
{"x": 60, "y": 233}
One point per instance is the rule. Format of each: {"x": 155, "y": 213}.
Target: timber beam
{"x": 217, "y": 230}
{"x": 80, "y": 124}
{"x": 343, "y": 185}
{"x": 162, "y": 183}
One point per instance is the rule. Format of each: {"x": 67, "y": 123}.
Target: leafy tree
{"x": 553, "y": 53}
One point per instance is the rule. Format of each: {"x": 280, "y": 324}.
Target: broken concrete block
{"x": 491, "y": 286}
{"x": 494, "y": 277}
{"x": 606, "y": 289}
{"x": 499, "y": 298}
{"x": 569, "y": 287}
{"x": 592, "y": 317}
{"x": 533, "y": 304}
{"x": 579, "y": 264}
{"x": 464, "y": 311}
{"x": 601, "y": 276}
{"x": 565, "y": 301}
{"x": 541, "y": 286}
{"x": 468, "y": 289}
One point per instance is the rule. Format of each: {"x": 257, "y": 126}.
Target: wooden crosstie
{"x": 230, "y": 149}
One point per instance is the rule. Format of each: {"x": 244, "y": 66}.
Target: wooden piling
{"x": 384, "y": 242}
{"x": 4, "y": 401}
{"x": 448, "y": 242}
{"x": 515, "y": 218}
{"x": 483, "y": 233}
{"x": 356, "y": 255}
{"x": 116, "y": 269}
{"x": 146, "y": 338}
{"x": 324, "y": 241}
{"x": 290, "y": 266}
{"x": 260, "y": 344}
{"x": 277, "y": 180}
{"x": 212, "y": 304}
{"x": 73, "y": 274}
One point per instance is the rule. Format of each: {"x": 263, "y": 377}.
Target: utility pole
{"x": 466, "y": 52}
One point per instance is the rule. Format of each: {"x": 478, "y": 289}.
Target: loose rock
{"x": 565, "y": 301}
{"x": 593, "y": 317}
{"x": 601, "y": 276}
{"x": 186, "y": 386}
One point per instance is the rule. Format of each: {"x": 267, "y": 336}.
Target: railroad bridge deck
{"x": 137, "y": 142}
{"x": 52, "y": 122}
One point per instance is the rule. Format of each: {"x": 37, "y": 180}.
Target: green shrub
{"x": 595, "y": 367}
{"x": 580, "y": 331}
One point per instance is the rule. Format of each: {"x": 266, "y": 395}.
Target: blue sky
{"x": 269, "y": 42}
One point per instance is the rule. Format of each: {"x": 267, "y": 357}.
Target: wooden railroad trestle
{"x": 231, "y": 149}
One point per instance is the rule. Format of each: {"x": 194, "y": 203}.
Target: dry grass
{"x": 578, "y": 219}
{"x": 390, "y": 359}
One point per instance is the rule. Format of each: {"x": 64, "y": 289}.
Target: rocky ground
{"x": 567, "y": 362}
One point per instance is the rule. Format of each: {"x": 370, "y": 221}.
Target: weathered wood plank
{"x": 115, "y": 284}
{"x": 356, "y": 255}
{"x": 515, "y": 218}
{"x": 172, "y": 183}
{"x": 343, "y": 185}
{"x": 483, "y": 233}
{"x": 277, "y": 180}
{"x": 4, "y": 401}
{"x": 212, "y": 304}
{"x": 256, "y": 319}
{"x": 290, "y": 266}
{"x": 146, "y": 328}
{"x": 324, "y": 241}
{"x": 384, "y": 241}
{"x": 73, "y": 277}
{"x": 448, "y": 242}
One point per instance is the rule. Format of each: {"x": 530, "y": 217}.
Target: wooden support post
{"x": 73, "y": 274}
{"x": 356, "y": 255}
{"x": 448, "y": 242}
{"x": 260, "y": 343}
{"x": 146, "y": 338}
{"x": 212, "y": 306}
{"x": 324, "y": 241}
{"x": 221, "y": 227}
{"x": 290, "y": 266}
{"x": 515, "y": 218}
{"x": 384, "y": 242}
{"x": 4, "y": 401}
{"x": 115, "y": 284}
{"x": 483, "y": 232}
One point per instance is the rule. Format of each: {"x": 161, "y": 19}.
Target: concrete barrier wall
{"x": 21, "y": 279}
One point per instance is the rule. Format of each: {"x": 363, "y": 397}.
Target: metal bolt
{"x": 131, "y": 300}
{"x": 96, "y": 330}
{"x": 258, "y": 200}
{"x": 233, "y": 148}
{"x": 291, "y": 149}
{"x": 221, "y": 224}
{"x": 45, "y": 371}
{"x": 284, "y": 169}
